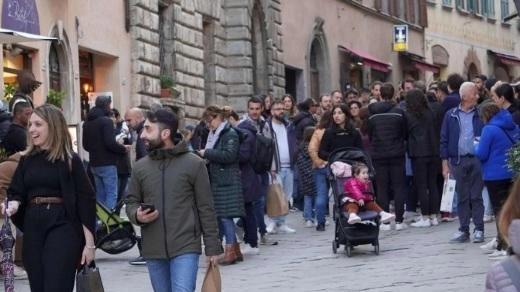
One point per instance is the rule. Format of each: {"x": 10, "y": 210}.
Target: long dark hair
{"x": 325, "y": 121}
{"x": 416, "y": 102}
{"x": 344, "y": 108}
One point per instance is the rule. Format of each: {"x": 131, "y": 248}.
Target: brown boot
{"x": 229, "y": 257}
{"x": 240, "y": 257}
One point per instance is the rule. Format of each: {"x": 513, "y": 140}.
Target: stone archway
{"x": 472, "y": 65}
{"x": 318, "y": 65}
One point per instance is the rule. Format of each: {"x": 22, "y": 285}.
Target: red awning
{"x": 424, "y": 66}
{"x": 507, "y": 59}
{"x": 368, "y": 60}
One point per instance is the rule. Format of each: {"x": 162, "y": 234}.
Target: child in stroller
{"x": 357, "y": 190}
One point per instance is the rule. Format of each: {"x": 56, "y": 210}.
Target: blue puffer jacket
{"x": 450, "y": 134}
{"x": 497, "y": 138}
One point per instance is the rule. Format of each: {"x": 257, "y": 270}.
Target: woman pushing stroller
{"x": 358, "y": 194}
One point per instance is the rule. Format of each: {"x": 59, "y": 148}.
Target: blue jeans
{"x": 286, "y": 179}
{"x": 178, "y": 274}
{"x": 105, "y": 178}
{"x": 308, "y": 208}
{"x": 488, "y": 209}
{"x": 259, "y": 205}
{"x": 226, "y": 227}
{"x": 322, "y": 193}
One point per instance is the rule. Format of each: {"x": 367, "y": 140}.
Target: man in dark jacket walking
{"x": 387, "y": 131}
{"x": 461, "y": 128}
{"x": 134, "y": 119}
{"x": 100, "y": 142}
{"x": 453, "y": 99}
{"x": 16, "y": 138}
{"x": 173, "y": 182}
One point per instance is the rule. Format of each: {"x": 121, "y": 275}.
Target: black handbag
{"x": 88, "y": 279}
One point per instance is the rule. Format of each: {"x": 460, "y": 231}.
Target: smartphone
{"x": 147, "y": 207}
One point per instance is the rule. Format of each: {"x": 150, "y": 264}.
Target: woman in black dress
{"x": 52, "y": 201}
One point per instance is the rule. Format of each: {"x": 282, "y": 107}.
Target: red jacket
{"x": 358, "y": 189}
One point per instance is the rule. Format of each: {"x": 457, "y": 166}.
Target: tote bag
{"x": 212, "y": 281}
{"x": 88, "y": 279}
{"x": 448, "y": 192}
{"x": 276, "y": 202}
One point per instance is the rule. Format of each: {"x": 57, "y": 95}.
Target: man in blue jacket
{"x": 461, "y": 128}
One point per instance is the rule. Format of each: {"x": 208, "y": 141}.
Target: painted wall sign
{"x": 21, "y": 15}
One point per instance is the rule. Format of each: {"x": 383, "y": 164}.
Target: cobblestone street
{"x": 418, "y": 259}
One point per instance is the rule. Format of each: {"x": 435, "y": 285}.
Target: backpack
{"x": 263, "y": 153}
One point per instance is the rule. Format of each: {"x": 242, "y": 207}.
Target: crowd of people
{"x": 205, "y": 176}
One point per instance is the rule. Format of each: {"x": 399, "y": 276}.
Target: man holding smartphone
{"x": 170, "y": 198}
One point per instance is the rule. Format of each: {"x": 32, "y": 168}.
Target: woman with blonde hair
{"x": 52, "y": 201}
{"x": 222, "y": 154}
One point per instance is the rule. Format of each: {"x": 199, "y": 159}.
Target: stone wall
{"x": 209, "y": 47}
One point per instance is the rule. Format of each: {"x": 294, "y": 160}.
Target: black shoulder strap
{"x": 511, "y": 266}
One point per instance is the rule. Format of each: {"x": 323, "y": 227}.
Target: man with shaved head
{"x": 461, "y": 129}
{"x": 134, "y": 119}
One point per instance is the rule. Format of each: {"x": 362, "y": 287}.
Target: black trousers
{"x": 425, "y": 171}
{"x": 498, "y": 193}
{"x": 52, "y": 248}
{"x": 390, "y": 173}
{"x": 250, "y": 226}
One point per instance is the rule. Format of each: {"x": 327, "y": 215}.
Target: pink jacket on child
{"x": 358, "y": 190}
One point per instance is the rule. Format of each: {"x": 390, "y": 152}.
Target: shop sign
{"x": 400, "y": 43}
{"x": 21, "y": 15}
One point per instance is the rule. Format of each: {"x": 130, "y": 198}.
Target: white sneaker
{"x": 353, "y": 218}
{"x": 271, "y": 227}
{"x": 309, "y": 224}
{"x": 498, "y": 255}
{"x": 424, "y": 222}
{"x": 327, "y": 222}
{"x": 385, "y": 227}
{"x": 250, "y": 250}
{"x": 433, "y": 220}
{"x": 490, "y": 246}
{"x": 19, "y": 273}
{"x": 286, "y": 229}
{"x": 400, "y": 226}
{"x": 488, "y": 218}
{"x": 386, "y": 217}
{"x": 409, "y": 216}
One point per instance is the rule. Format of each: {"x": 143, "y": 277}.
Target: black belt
{"x": 468, "y": 155}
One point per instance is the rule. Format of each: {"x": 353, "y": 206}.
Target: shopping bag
{"x": 276, "y": 202}
{"x": 88, "y": 279}
{"x": 448, "y": 192}
{"x": 212, "y": 281}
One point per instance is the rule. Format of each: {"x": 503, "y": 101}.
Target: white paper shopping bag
{"x": 448, "y": 192}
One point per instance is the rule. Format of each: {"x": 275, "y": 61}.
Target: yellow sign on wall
{"x": 400, "y": 43}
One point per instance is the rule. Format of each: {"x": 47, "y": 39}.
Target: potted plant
{"x": 9, "y": 91}
{"x": 55, "y": 97}
{"x": 167, "y": 84}
{"x": 513, "y": 159}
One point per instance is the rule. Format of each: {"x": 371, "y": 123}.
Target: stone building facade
{"x": 217, "y": 51}
{"x": 472, "y": 38}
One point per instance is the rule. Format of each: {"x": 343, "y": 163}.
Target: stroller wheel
{"x": 348, "y": 250}
{"x": 376, "y": 248}
{"x": 334, "y": 246}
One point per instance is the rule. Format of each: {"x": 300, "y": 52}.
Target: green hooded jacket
{"x": 176, "y": 182}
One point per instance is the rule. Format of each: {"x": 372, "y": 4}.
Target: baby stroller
{"x": 350, "y": 235}
{"x": 114, "y": 235}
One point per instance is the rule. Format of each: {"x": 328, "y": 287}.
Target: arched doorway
{"x": 501, "y": 73}
{"x": 259, "y": 50}
{"x": 472, "y": 71}
{"x": 60, "y": 73}
{"x": 318, "y": 66}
